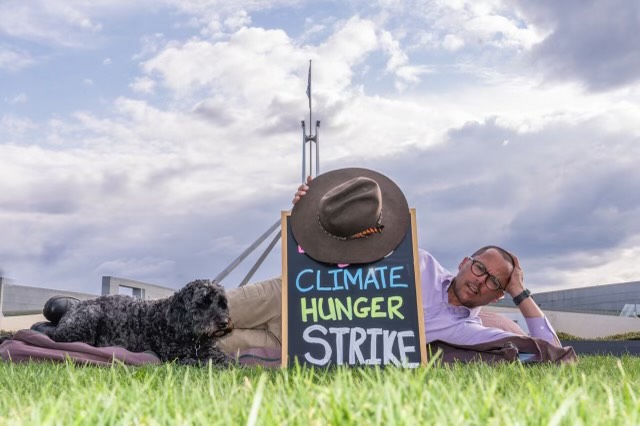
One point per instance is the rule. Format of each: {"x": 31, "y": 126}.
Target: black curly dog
{"x": 182, "y": 327}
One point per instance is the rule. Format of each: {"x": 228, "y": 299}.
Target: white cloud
{"x": 500, "y": 31}
{"x": 470, "y": 23}
{"x": 254, "y": 67}
{"x": 312, "y": 29}
{"x": 397, "y": 57}
{"x": 217, "y": 17}
{"x": 352, "y": 41}
{"x": 452, "y": 42}
{"x": 143, "y": 85}
{"x": 12, "y": 59}
{"x": 398, "y": 63}
{"x": 50, "y": 21}
{"x": 409, "y": 75}
{"x": 229, "y": 66}
{"x": 20, "y": 98}
{"x": 14, "y": 128}
{"x": 237, "y": 20}
{"x": 616, "y": 265}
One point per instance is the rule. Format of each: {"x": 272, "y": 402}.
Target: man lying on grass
{"x": 451, "y": 303}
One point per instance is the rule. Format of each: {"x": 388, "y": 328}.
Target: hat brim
{"x": 321, "y": 246}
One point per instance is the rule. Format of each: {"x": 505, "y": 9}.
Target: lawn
{"x": 597, "y": 390}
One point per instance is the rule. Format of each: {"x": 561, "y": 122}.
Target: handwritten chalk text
{"x": 380, "y": 277}
{"x": 336, "y": 309}
{"x": 357, "y": 339}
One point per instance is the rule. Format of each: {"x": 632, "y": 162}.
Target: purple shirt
{"x": 459, "y": 324}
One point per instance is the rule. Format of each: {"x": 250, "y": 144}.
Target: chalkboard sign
{"x": 364, "y": 314}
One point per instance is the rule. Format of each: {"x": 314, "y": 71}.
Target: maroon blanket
{"x": 29, "y": 345}
{"x": 508, "y": 349}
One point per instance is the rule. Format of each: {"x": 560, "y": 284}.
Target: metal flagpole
{"x": 310, "y": 138}
{"x": 261, "y": 259}
{"x": 246, "y": 253}
{"x": 306, "y": 138}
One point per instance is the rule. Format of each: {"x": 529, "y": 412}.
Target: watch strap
{"x": 519, "y": 298}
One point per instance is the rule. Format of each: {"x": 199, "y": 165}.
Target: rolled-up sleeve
{"x": 540, "y": 327}
{"x": 466, "y": 332}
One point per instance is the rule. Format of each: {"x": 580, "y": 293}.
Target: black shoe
{"x": 43, "y": 327}
{"x": 57, "y": 306}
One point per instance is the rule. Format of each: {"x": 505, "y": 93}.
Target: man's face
{"x": 471, "y": 290}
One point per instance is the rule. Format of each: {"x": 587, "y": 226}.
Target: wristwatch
{"x": 519, "y": 298}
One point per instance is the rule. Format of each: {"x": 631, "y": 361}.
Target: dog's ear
{"x": 218, "y": 296}
{"x": 180, "y": 305}
{"x": 203, "y": 297}
{"x": 223, "y": 303}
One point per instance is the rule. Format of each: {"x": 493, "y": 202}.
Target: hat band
{"x": 377, "y": 229}
{"x": 373, "y": 230}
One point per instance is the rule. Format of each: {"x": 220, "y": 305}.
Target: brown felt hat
{"x": 350, "y": 216}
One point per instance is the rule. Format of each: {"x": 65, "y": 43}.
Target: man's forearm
{"x": 530, "y": 309}
{"x": 537, "y": 323}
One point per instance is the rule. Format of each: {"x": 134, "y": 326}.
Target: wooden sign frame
{"x": 421, "y": 340}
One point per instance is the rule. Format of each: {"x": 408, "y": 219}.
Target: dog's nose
{"x": 226, "y": 325}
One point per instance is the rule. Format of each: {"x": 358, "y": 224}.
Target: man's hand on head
{"x": 302, "y": 190}
{"x": 516, "y": 282}
{"x": 528, "y": 307}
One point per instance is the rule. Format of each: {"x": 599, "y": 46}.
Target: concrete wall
{"x": 24, "y": 300}
{"x": 611, "y": 297}
{"x": 578, "y": 324}
{"x": 603, "y": 299}
{"x": 19, "y": 322}
{"x": 21, "y": 306}
{"x": 18, "y": 299}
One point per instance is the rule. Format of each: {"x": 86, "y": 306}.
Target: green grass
{"x": 597, "y": 390}
{"x": 632, "y": 335}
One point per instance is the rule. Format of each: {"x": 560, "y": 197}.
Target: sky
{"x": 156, "y": 140}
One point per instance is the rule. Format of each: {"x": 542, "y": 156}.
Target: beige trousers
{"x": 256, "y": 313}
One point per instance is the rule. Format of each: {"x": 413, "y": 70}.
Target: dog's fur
{"x": 182, "y": 327}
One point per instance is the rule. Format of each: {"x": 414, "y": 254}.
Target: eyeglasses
{"x": 479, "y": 270}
